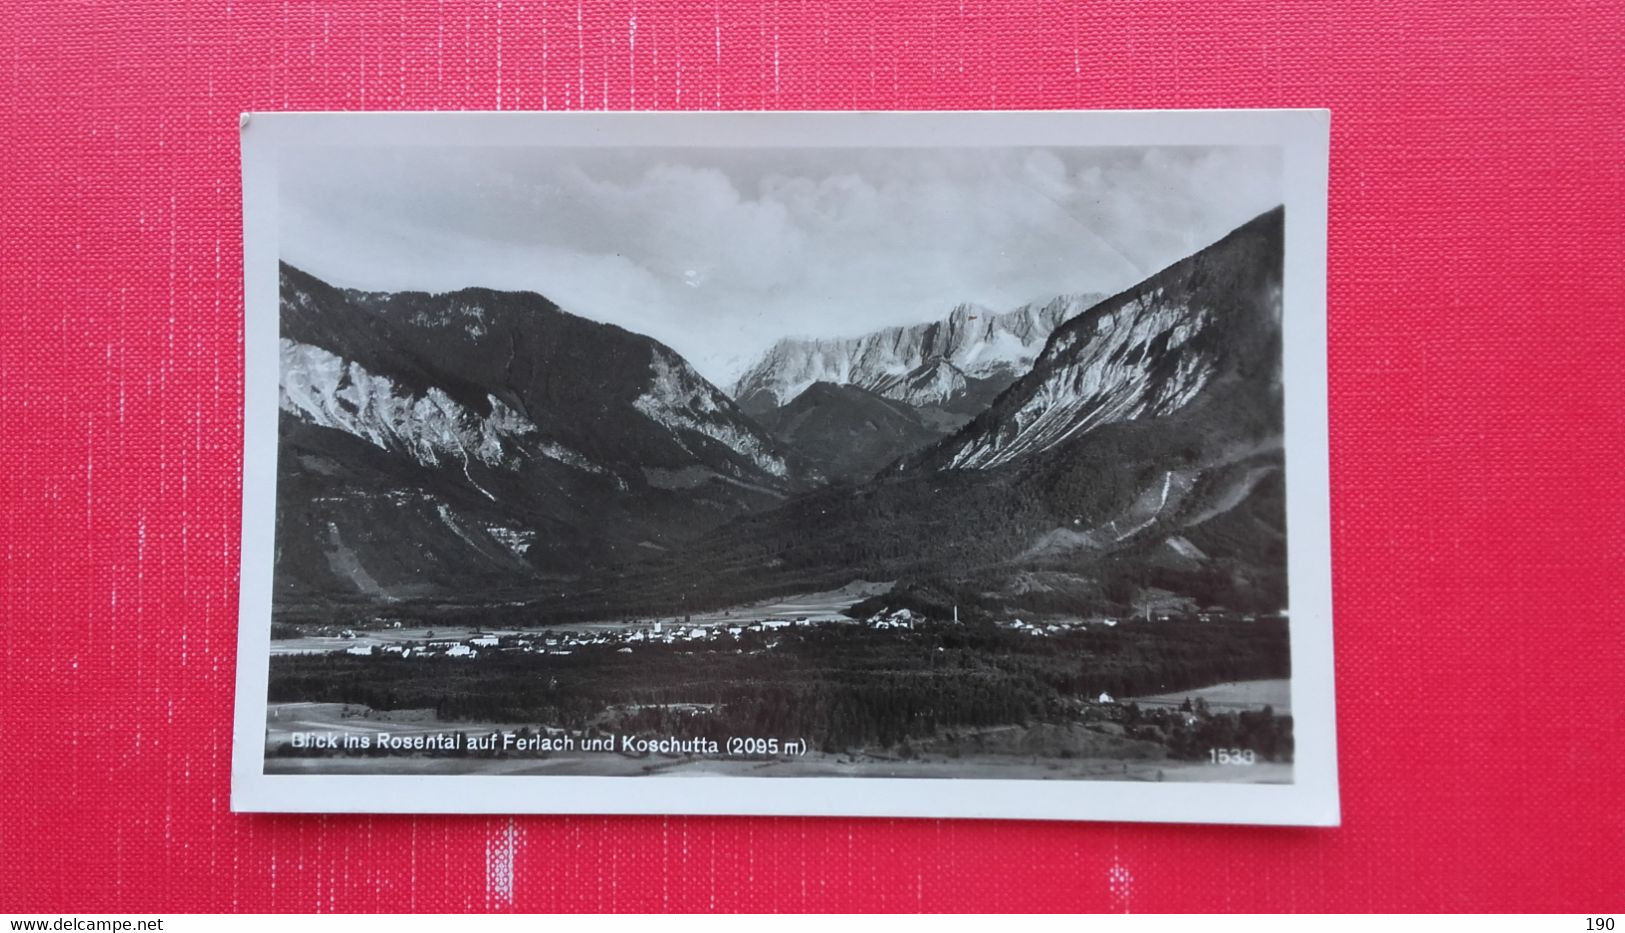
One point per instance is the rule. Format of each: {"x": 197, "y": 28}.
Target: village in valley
{"x": 383, "y": 636}
{"x": 1069, "y": 689}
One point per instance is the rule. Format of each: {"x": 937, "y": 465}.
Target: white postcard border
{"x": 1312, "y": 799}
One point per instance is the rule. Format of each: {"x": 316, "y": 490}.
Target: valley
{"x": 956, "y": 540}
{"x": 894, "y": 694}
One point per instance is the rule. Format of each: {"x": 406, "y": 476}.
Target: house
{"x": 359, "y": 649}
{"x": 902, "y": 618}
{"x": 484, "y": 641}
{"x": 461, "y": 651}
{"x": 1105, "y": 698}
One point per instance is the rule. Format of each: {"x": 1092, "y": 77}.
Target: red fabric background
{"x": 1476, "y": 297}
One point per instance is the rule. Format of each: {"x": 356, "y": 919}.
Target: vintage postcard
{"x": 894, "y": 464}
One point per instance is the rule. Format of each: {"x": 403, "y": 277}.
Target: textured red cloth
{"x": 1477, "y": 302}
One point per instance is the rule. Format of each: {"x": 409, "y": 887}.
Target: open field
{"x": 969, "y": 768}
{"x": 1234, "y": 696}
{"x": 997, "y": 753}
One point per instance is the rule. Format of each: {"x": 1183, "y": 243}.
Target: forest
{"x": 839, "y": 686}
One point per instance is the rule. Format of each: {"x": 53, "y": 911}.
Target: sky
{"x": 720, "y": 252}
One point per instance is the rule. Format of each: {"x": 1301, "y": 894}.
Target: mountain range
{"x": 433, "y": 441}
{"x": 1076, "y": 455}
{"x": 957, "y": 364}
{"x": 1138, "y": 462}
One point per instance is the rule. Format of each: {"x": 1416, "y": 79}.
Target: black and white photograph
{"x": 939, "y": 464}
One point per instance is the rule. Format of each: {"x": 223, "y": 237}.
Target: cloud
{"x": 720, "y": 252}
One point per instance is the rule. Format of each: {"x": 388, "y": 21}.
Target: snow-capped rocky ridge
{"x": 432, "y": 428}
{"x": 323, "y": 389}
{"x": 1211, "y": 319}
{"x": 679, "y": 399}
{"x": 1104, "y": 375}
{"x": 922, "y": 364}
